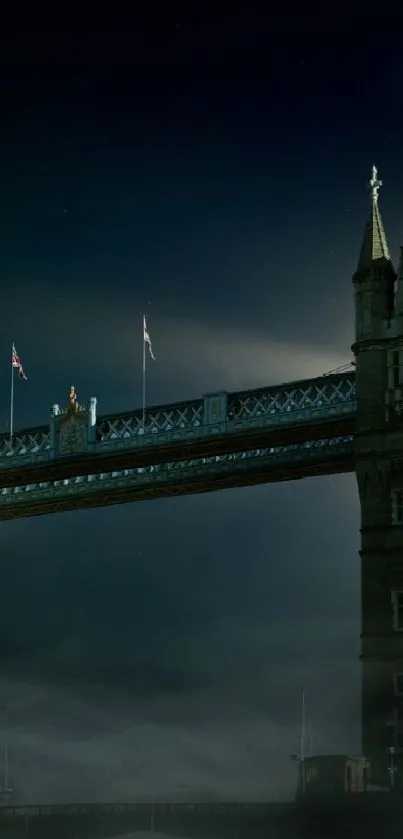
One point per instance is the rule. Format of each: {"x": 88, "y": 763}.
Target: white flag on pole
{"x": 147, "y": 339}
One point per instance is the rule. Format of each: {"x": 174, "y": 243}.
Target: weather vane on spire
{"x": 374, "y": 184}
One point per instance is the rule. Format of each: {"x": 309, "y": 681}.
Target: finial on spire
{"x": 374, "y": 184}
{"x": 374, "y": 245}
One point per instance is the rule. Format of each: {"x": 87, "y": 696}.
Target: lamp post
{"x": 6, "y": 786}
{"x": 298, "y": 758}
{"x": 392, "y": 768}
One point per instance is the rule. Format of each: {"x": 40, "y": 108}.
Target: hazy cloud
{"x": 176, "y": 661}
{"x": 96, "y": 343}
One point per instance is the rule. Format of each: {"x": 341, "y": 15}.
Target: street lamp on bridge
{"x": 392, "y": 768}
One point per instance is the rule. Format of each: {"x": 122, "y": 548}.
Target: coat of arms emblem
{"x": 73, "y": 426}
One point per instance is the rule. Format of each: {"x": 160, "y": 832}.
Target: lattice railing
{"x": 181, "y": 417}
{"x": 298, "y": 401}
{"x": 312, "y": 397}
{"x": 176, "y": 470}
{"x": 32, "y": 442}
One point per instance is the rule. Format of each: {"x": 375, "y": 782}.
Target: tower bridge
{"x": 349, "y": 421}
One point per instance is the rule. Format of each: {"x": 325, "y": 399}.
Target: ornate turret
{"x": 73, "y": 428}
{"x": 374, "y": 245}
{"x": 375, "y": 276}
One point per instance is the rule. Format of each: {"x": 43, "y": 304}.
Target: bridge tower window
{"x": 397, "y": 607}
{"x": 398, "y": 684}
{"x": 398, "y": 735}
{"x": 398, "y": 727}
{"x": 397, "y": 506}
{"x": 396, "y": 369}
{"x": 395, "y": 361}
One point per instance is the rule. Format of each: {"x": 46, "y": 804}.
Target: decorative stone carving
{"x": 73, "y": 426}
{"x": 73, "y": 406}
{"x": 215, "y": 410}
{"x": 73, "y": 434}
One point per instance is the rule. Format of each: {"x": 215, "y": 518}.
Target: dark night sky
{"x": 213, "y": 176}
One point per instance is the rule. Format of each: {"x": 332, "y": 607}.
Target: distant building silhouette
{"x": 6, "y": 787}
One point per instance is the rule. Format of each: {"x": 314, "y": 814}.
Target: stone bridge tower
{"x": 378, "y": 351}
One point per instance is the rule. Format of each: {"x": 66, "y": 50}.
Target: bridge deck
{"x": 270, "y": 434}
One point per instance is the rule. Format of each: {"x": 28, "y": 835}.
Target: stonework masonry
{"x": 378, "y": 351}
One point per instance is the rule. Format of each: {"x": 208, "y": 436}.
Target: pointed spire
{"x": 374, "y": 246}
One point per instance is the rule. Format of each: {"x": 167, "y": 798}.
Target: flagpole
{"x": 144, "y": 374}
{"x": 302, "y": 746}
{"x": 12, "y": 394}
{"x": 6, "y": 768}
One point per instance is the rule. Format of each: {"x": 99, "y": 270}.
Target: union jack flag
{"x": 17, "y": 363}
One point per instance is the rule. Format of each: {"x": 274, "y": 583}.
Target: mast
{"x": 302, "y": 743}
{"x": 6, "y": 781}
